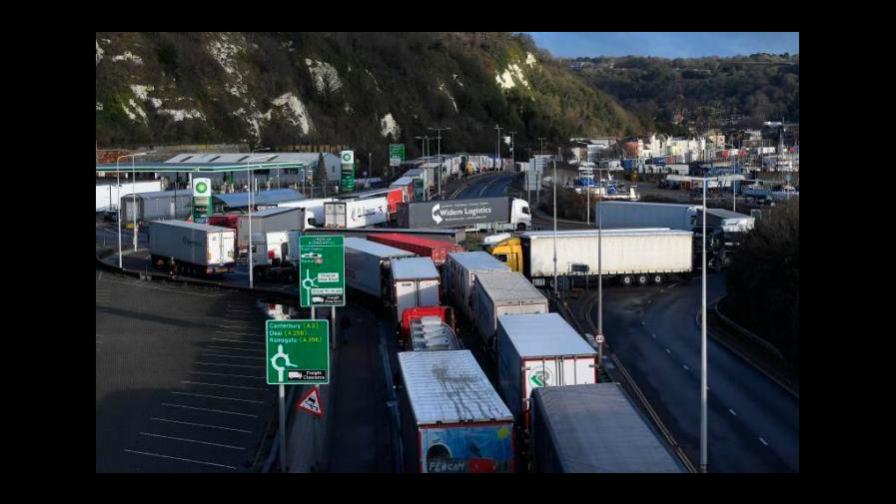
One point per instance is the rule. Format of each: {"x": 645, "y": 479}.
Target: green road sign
{"x": 202, "y": 192}
{"x": 396, "y": 154}
{"x": 298, "y": 352}
{"x": 347, "y": 161}
{"x": 322, "y": 271}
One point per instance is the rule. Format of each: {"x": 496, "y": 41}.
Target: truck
{"x": 352, "y": 214}
{"x": 406, "y": 184}
{"x": 618, "y": 214}
{"x": 453, "y": 419}
{"x": 594, "y": 428}
{"x": 643, "y": 256}
{"x": 437, "y": 250}
{"x": 444, "y": 313}
{"x": 275, "y": 255}
{"x": 539, "y": 351}
{"x": 459, "y": 275}
{"x": 500, "y": 293}
{"x": 108, "y": 196}
{"x": 472, "y": 214}
{"x": 394, "y": 197}
{"x": 726, "y": 221}
{"x": 187, "y": 247}
{"x": 150, "y": 206}
{"x": 367, "y": 266}
{"x": 313, "y": 211}
{"x": 267, "y": 220}
{"x": 429, "y": 333}
{"x": 414, "y": 282}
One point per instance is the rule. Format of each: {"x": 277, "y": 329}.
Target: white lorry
{"x": 459, "y": 276}
{"x": 350, "y": 214}
{"x": 415, "y": 282}
{"x": 500, "y": 293}
{"x": 186, "y": 247}
{"x": 367, "y": 266}
{"x": 314, "y": 211}
{"x": 275, "y": 255}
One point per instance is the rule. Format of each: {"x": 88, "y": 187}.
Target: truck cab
{"x": 509, "y": 251}
{"x": 520, "y": 214}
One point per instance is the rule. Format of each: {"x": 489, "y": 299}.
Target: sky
{"x": 666, "y": 44}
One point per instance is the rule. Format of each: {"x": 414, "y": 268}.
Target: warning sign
{"x": 311, "y": 403}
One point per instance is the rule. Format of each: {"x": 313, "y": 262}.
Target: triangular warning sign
{"x": 311, "y": 403}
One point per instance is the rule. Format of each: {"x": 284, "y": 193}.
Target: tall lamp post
{"x": 118, "y": 175}
{"x": 439, "y": 131}
{"x": 134, "y": 195}
{"x": 249, "y": 195}
{"x": 498, "y": 147}
{"x": 703, "y": 370}
{"x": 600, "y": 273}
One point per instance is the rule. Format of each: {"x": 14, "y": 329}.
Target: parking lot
{"x": 179, "y": 378}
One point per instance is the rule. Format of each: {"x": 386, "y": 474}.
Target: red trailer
{"x": 231, "y": 221}
{"x": 443, "y": 312}
{"x": 435, "y": 249}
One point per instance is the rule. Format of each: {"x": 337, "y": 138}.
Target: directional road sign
{"x": 322, "y": 271}
{"x": 298, "y": 352}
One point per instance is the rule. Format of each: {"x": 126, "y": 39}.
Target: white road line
{"x": 668, "y": 351}
{"x": 221, "y": 385}
{"x": 642, "y": 322}
{"x": 178, "y": 458}
{"x": 201, "y": 425}
{"x": 100, "y": 276}
{"x": 685, "y": 366}
{"x": 218, "y": 397}
{"x": 194, "y": 441}
{"x": 232, "y": 349}
{"x": 212, "y": 354}
{"x": 227, "y": 374}
{"x": 254, "y": 343}
{"x": 229, "y": 365}
{"x": 653, "y": 336}
{"x": 732, "y": 412}
{"x": 173, "y": 405}
{"x": 763, "y": 441}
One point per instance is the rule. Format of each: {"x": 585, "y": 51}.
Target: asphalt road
{"x": 179, "y": 378}
{"x": 753, "y": 423}
{"x": 487, "y": 187}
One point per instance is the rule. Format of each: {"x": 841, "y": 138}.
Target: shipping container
{"x": 406, "y": 184}
{"x": 352, "y": 214}
{"x": 191, "y": 248}
{"x": 268, "y": 220}
{"x": 367, "y": 266}
{"x": 594, "y": 429}
{"x": 539, "y": 351}
{"x": 454, "y": 421}
{"x": 415, "y": 282}
{"x": 459, "y": 275}
{"x": 503, "y": 293}
{"x": 437, "y": 250}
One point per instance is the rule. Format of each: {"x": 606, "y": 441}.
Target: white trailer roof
{"x": 403, "y": 181}
{"x": 478, "y": 261}
{"x": 414, "y": 268}
{"x": 503, "y": 286}
{"x": 596, "y": 429}
{"x": 543, "y": 335}
{"x": 192, "y": 225}
{"x": 448, "y": 386}
{"x": 606, "y": 232}
{"x": 373, "y": 248}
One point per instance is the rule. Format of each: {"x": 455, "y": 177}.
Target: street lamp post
{"x": 703, "y": 370}
{"x": 439, "y": 131}
{"x": 118, "y": 203}
{"x": 498, "y": 147}
{"x": 134, "y": 190}
{"x": 600, "y": 273}
{"x": 249, "y": 196}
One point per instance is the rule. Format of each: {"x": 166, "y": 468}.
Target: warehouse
{"x": 289, "y": 175}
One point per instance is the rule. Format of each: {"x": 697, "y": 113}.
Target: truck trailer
{"x": 643, "y": 256}
{"x": 187, "y": 247}
{"x": 268, "y": 220}
{"x": 503, "y": 293}
{"x": 622, "y": 214}
{"x": 313, "y": 211}
{"x": 437, "y": 250}
{"x": 594, "y": 429}
{"x": 453, "y": 419}
{"x": 108, "y": 196}
{"x": 415, "y": 282}
{"x": 459, "y": 275}
{"x": 479, "y": 214}
{"x": 367, "y": 266}
{"x": 352, "y": 214}
{"x": 539, "y": 351}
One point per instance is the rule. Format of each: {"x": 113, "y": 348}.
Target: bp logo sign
{"x": 348, "y": 157}
{"x": 540, "y": 378}
{"x": 201, "y": 188}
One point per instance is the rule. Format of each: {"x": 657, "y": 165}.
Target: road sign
{"x": 202, "y": 196}
{"x": 311, "y": 403}
{"x": 347, "y": 180}
{"x": 322, "y": 271}
{"x": 396, "y": 154}
{"x": 298, "y": 352}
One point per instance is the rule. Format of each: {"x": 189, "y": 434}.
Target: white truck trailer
{"x": 187, "y": 247}
{"x": 350, "y": 214}
{"x": 367, "y": 266}
{"x": 415, "y": 282}
{"x": 539, "y": 351}
{"x": 459, "y": 275}
{"x": 503, "y": 293}
{"x": 313, "y": 208}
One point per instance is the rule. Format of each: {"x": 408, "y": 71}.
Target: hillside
{"x": 672, "y": 94}
{"x": 361, "y": 89}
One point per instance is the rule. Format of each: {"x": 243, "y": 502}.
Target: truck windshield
{"x": 526, "y": 210}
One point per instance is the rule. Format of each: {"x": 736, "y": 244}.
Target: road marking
{"x": 227, "y": 374}
{"x": 201, "y": 425}
{"x": 218, "y": 397}
{"x": 232, "y": 356}
{"x": 221, "y": 385}
{"x": 642, "y": 322}
{"x": 100, "y": 276}
{"x": 668, "y": 351}
{"x": 685, "y": 366}
{"x": 236, "y": 349}
{"x": 653, "y": 336}
{"x": 235, "y": 333}
{"x": 173, "y": 405}
{"x": 194, "y": 441}
{"x": 254, "y": 343}
{"x": 732, "y": 412}
{"x": 178, "y": 458}
{"x": 763, "y": 441}
{"x": 229, "y": 365}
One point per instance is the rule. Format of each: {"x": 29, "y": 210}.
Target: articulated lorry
{"x": 643, "y": 256}
{"x": 367, "y": 266}
{"x": 480, "y": 214}
{"x": 186, "y": 247}
{"x": 503, "y": 293}
{"x": 350, "y": 214}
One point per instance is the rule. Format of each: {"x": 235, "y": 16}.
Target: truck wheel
{"x": 642, "y": 280}
{"x": 627, "y": 280}
{"x": 657, "y": 279}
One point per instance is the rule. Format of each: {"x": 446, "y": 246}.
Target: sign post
{"x": 298, "y": 353}
{"x": 347, "y": 180}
